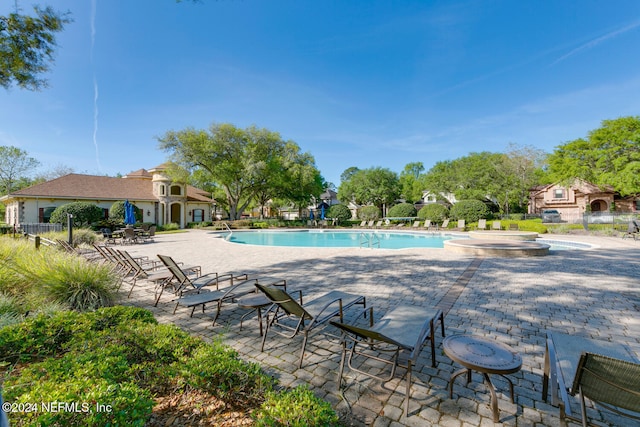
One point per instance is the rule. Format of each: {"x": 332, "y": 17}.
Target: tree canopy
{"x": 27, "y": 46}
{"x": 14, "y": 163}
{"x": 610, "y": 155}
{"x": 377, "y": 186}
{"x": 249, "y": 164}
{"x": 503, "y": 179}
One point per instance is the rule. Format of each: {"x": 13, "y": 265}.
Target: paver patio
{"x": 594, "y": 293}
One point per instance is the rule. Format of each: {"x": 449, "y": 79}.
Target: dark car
{"x": 550, "y": 215}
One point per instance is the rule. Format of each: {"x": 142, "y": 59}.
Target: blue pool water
{"x": 339, "y": 239}
{"x": 355, "y": 239}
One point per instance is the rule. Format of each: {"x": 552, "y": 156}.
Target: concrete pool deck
{"x": 594, "y": 293}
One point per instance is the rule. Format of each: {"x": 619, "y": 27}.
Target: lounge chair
{"x": 461, "y": 225}
{"x": 603, "y": 371}
{"x": 513, "y": 226}
{"x": 370, "y": 224}
{"x": 416, "y": 224}
{"x": 496, "y": 225}
{"x": 150, "y": 270}
{"x": 191, "y": 292}
{"x": 363, "y": 224}
{"x": 239, "y": 286}
{"x": 378, "y": 224}
{"x": 445, "y": 224}
{"x": 403, "y": 329}
{"x": 482, "y": 224}
{"x": 316, "y": 312}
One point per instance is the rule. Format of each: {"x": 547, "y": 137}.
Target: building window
{"x": 44, "y": 214}
{"x": 198, "y": 215}
{"x": 176, "y": 190}
{"x": 558, "y": 193}
{"x": 162, "y": 190}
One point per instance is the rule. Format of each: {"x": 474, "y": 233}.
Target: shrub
{"x": 81, "y": 285}
{"x": 341, "y": 212}
{"x": 172, "y": 226}
{"x": 435, "y": 212}
{"x": 369, "y": 213}
{"x": 116, "y": 212}
{"x": 84, "y": 214}
{"x": 402, "y": 210}
{"x": 469, "y": 210}
{"x": 298, "y": 407}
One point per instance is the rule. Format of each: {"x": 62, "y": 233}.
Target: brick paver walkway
{"x": 515, "y": 301}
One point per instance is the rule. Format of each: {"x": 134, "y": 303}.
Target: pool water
{"x": 340, "y": 239}
{"x": 365, "y": 239}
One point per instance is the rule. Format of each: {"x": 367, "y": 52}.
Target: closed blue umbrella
{"x": 322, "y": 212}
{"x": 310, "y": 213}
{"x": 129, "y": 214}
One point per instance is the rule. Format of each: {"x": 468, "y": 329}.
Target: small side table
{"x": 484, "y": 356}
{"x": 255, "y": 301}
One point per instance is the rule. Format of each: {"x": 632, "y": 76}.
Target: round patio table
{"x": 484, "y": 356}
{"x": 255, "y": 301}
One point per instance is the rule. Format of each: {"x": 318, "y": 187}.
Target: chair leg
{"x": 583, "y": 407}
{"x": 406, "y": 404}
{"x": 304, "y": 345}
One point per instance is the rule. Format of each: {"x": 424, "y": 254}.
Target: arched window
{"x": 176, "y": 190}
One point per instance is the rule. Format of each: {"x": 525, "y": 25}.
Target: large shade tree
{"x": 610, "y": 155}
{"x": 246, "y": 164}
{"x": 376, "y": 186}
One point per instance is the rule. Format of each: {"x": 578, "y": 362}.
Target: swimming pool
{"x": 365, "y": 239}
{"x": 340, "y": 239}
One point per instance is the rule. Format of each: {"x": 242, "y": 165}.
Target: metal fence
{"x": 39, "y": 228}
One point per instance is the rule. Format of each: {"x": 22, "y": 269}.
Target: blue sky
{"x": 355, "y": 83}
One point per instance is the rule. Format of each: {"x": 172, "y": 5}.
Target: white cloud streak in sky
{"x": 593, "y": 43}
{"x": 95, "y": 85}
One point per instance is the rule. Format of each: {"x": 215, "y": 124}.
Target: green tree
{"x": 377, "y": 186}
{"x": 411, "y": 186}
{"x": 610, "y": 155}
{"x": 27, "y": 46}
{"x": 245, "y": 163}
{"x": 14, "y": 163}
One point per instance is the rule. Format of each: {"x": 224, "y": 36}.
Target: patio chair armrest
{"x": 241, "y": 276}
{"x": 280, "y": 283}
{"x": 326, "y": 306}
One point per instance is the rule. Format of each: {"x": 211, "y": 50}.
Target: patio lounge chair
{"x": 416, "y": 224}
{"x": 403, "y": 329}
{"x": 182, "y": 285}
{"x": 496, "y": 225}
{"x": 242, "y": 286}
{"x": 150, "y": 270}
{"x": 461, "y": 225}
{"x": 602, "y": 371}
{"x": 482, "y": 224}
{"x": 445, "y": 224}
{"x": 316, "y": 312}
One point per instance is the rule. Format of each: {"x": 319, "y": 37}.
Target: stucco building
{"x": 161, "y": 200}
